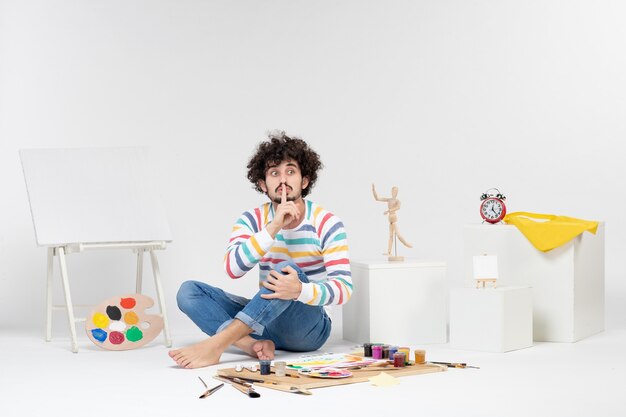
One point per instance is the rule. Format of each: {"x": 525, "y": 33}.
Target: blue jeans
{"x": 291, "y": 325}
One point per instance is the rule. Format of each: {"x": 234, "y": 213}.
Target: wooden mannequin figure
{"x": 393, "y": 205}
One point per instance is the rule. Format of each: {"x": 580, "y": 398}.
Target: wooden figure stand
{"x": 94, "y": 199}
{"x": 393, "y": 205}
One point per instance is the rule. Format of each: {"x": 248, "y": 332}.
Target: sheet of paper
{"x": 337, "y": 360}
{"x": 384, "y": 380}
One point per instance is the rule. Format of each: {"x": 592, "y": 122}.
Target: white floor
{"x": 587, "y": 378}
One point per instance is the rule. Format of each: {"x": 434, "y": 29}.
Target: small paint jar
{"x": 398, "y": 359}
{"x": 392, "y": 350}
{"x": 280, "y": 368}
{"x": 386, "y": 352}
{"x": 420, "y": 356}
{"x": 406, "y": 351}
{"x": 377, "y": 351}
{"x": 367, "y": 350}
{"x": 266, "y": 367}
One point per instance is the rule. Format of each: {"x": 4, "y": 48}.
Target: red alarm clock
{"x": 492, "y": 207}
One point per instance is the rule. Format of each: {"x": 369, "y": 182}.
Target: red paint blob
{"x": 128, "y": 303}
{"x": 116, "y": 338}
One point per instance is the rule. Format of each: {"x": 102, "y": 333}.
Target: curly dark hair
{"x": 278, "y": 148}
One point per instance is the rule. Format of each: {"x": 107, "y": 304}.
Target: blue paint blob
{"x": 99, "y": 334}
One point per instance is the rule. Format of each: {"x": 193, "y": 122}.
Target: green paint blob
{"x": 134, "y": 334}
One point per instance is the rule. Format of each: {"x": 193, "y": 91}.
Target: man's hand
{"x": 285, "y": 286}
{"x": 286, "y": 212}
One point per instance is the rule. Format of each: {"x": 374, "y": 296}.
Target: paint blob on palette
{"x": 121, "y": 323}
{"x": 331, "y": 373}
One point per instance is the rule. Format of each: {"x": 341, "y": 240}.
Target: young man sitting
{"x": 302, "y": 253}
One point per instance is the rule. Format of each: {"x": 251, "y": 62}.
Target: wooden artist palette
{"x": 295, "y": 380}
{"x": 121, "y": 323}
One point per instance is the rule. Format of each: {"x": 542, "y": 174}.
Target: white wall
{"x": 442, "y": 98}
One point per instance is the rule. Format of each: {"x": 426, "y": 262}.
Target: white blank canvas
{"x": 93, "y": 195}
{"x": 485, "y": 266}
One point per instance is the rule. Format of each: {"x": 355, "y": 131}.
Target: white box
{"x": 403, "y": 303}
{"x": 567, "y": 282}
{"x": 491, "y": 319}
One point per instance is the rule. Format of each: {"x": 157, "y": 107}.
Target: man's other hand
{"x": 286, "y": 286}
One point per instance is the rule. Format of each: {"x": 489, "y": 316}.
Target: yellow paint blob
{"x": 131, "y": 317}
{"x": 100, "y": 320}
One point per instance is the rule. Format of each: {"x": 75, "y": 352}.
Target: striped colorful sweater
{"x": 318, "y": 246}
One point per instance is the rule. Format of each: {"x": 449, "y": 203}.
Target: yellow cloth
{"x": 550, "y": 231}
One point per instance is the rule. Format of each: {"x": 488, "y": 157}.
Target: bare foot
{"x": 201, "y": 354}
{"x": 264, "y": 349}
{"x": 209, "y": 351}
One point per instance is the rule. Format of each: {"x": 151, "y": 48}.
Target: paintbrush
{"x": 454, "y": 365}
{"x": 240, "y": 385}
{"x": 269, "y": 384}
{"x": 285, "y": 388}
{"x": 209, "y": 391}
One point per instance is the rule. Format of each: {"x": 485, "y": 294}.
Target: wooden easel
{"x": 94, "y": 199}
{"x": 61, "y": 251}
{"x": 484, "y": 281}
